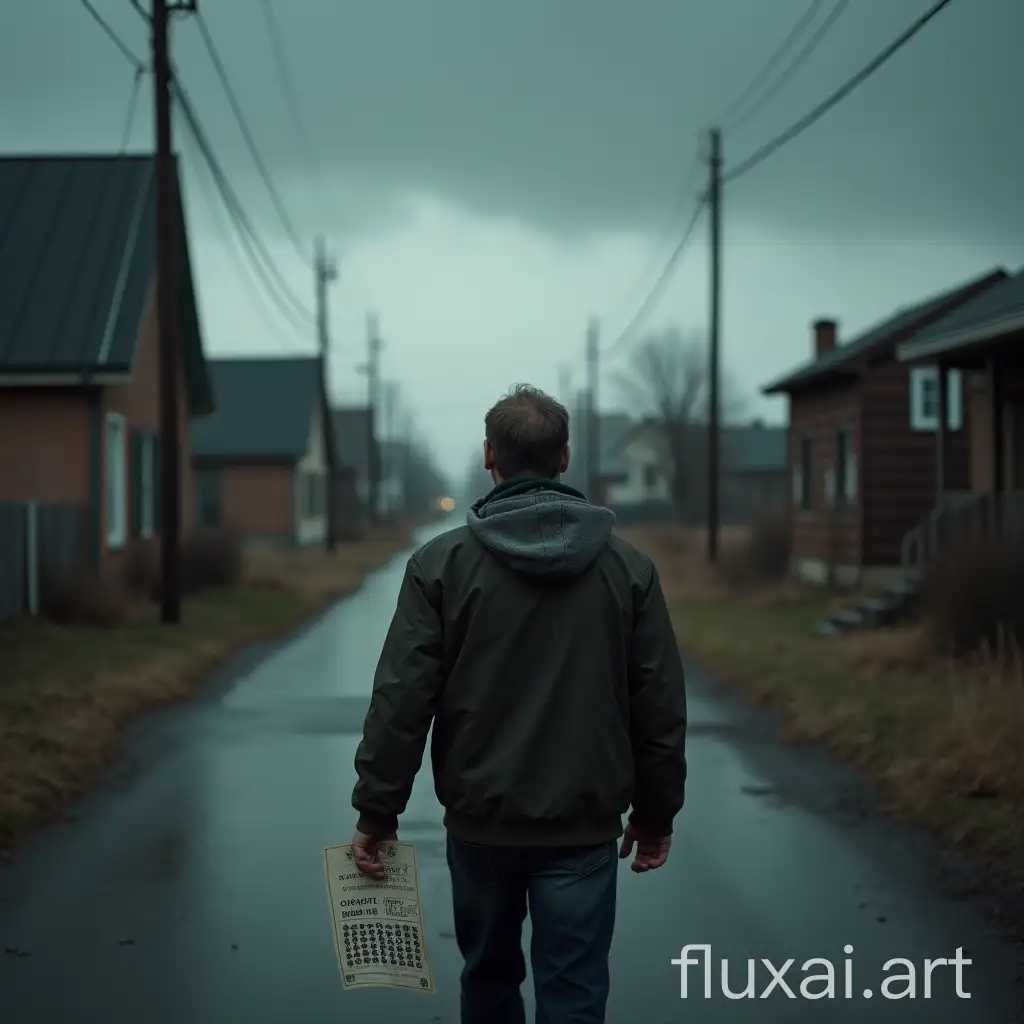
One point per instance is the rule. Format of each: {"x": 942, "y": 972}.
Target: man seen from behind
{"x": 539, "y": 645}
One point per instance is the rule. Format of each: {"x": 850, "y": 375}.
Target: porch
{"x": 991, "y": 365}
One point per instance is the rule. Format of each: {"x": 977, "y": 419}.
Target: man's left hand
{"x": 366, "y": 852}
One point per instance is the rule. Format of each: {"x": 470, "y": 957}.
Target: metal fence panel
{"x": 36, "y": 546}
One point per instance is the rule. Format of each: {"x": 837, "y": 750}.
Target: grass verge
{"x": 66, "y": 693}
{"x": 941, "y": 740}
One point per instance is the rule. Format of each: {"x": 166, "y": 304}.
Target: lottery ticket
{"x": 378, "y": 925}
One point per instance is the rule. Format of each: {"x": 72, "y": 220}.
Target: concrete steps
{"x": 896, "y": 605}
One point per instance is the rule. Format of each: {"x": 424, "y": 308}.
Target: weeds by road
{"x": 941, "y": 739}
{"x": 66, "y": 692}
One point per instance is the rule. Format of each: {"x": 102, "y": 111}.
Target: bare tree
{"x": 667, "y": 385}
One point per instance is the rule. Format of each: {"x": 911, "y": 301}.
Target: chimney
{"x": 824, "y": 337}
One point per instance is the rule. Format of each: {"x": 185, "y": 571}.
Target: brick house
{"x": 79, "y": 367}
{"x": 983, "y": 342}
{"x": 861, "y": 442}
{"x": 262, "y": 461}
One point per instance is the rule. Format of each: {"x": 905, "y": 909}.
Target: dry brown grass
{"x": 66, "y": 693}
{"x": 680, "y": 554}
{"x": 941, "y": 739}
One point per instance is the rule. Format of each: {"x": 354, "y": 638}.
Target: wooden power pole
{"x": 593, "y": 421}
{"x": 714, "y": 433}
{"x": 168, "y": 263}
{"x": 326, "y": 272}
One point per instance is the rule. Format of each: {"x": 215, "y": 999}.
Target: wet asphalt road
{"x": 190, "y": 889}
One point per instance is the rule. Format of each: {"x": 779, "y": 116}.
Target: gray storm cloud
{"x": 577, "y": 115}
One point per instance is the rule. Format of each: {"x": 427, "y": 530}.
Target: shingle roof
{"x": 882, "y": 333}
{"x": 352, "y": 436}
{"x": 1004, "y": 301}
{"x": 77, "y": 265}
{"x": 264, "y": 409}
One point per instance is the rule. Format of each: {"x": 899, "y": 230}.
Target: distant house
{"x": 982, "y": 343}
{"x": 79, "y": 367}
{"x": 262, "y": 461}
{"x": 358, "y": 463}
{"x": 635, "y": 471}
{"x": 861, "y": 446}
{"x": 755, "y": 474}
{"x": 640, "y": 474}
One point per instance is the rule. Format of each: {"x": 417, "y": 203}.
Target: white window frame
{"x": 921, "y": 379}
{"x": 147, "y": 485}
{"x": 116, "y": 489}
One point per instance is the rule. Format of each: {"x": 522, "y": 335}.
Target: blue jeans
{"x": 571, "y": 897}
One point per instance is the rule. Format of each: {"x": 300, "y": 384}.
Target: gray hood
{"x": 548, "y": 531}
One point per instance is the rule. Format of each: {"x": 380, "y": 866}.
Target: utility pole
{"x": 715, "y": 199}
{"x": 593, "y": 424}
{"x": 167, "y": 290}
{"x": 326, "y": 272}
{"x": 374, "y": 345}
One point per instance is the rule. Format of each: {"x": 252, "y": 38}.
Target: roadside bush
{"x": 83, "y": 598}
{"x": 210, "y": 559}
{"x": 142, "y": 570}
{"x": 973, "y": 600}
{"x": 762, "y": 557}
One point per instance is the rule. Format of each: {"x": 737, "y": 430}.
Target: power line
{"x": 841, "y": 93}
{"x": 247, "y": 234}
{"x": 258, "y": 294}
{"x": 798, "y": 61}
{"x": 113, "y": 36}
{"x": 133, "y": 104}
{"x": 685, "y": 195}
{"x": 275, "y": 196}
{"x": 794, "y": 33}
{"x": 290, "y": 92}
{"x": 659, "y": 286}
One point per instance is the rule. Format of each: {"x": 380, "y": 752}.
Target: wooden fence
{"x": 37, "y": 542}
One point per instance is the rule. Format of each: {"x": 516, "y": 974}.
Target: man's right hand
{"x": 651, "y": 853}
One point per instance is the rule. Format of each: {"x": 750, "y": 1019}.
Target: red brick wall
{"x": 139, "y": 403}
{"x": 258, "y": 500}
{"x": 44, "y": 451}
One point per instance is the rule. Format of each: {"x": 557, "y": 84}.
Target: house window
{"x": 208, "y": 498}
{"x": 148, "y": 470}
{"x": 924, "y": 399}
{"x": 314, "y": 495}
{"x": 117, "y": 475}
{"x": 846, "y": 466}
{"x": 806, "y": 478}
{"x": 650, "y": 476}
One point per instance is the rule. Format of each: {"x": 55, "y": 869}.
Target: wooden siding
{"x": 829, "y": 532}
{"x": 899, "y": 464}
{"x": 980, "y": 433}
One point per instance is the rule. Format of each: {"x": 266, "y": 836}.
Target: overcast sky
{"x": 489, "y": 174}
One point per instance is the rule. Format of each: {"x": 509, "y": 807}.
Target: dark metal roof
{"x": 352, "y": 428}
{"x": 889, "y": 330}
{"x": 754, "y": 448}
{"x": 1004, "y": 302}
{"x": 264, "y": 409}
{"x": 77, "y": 266}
